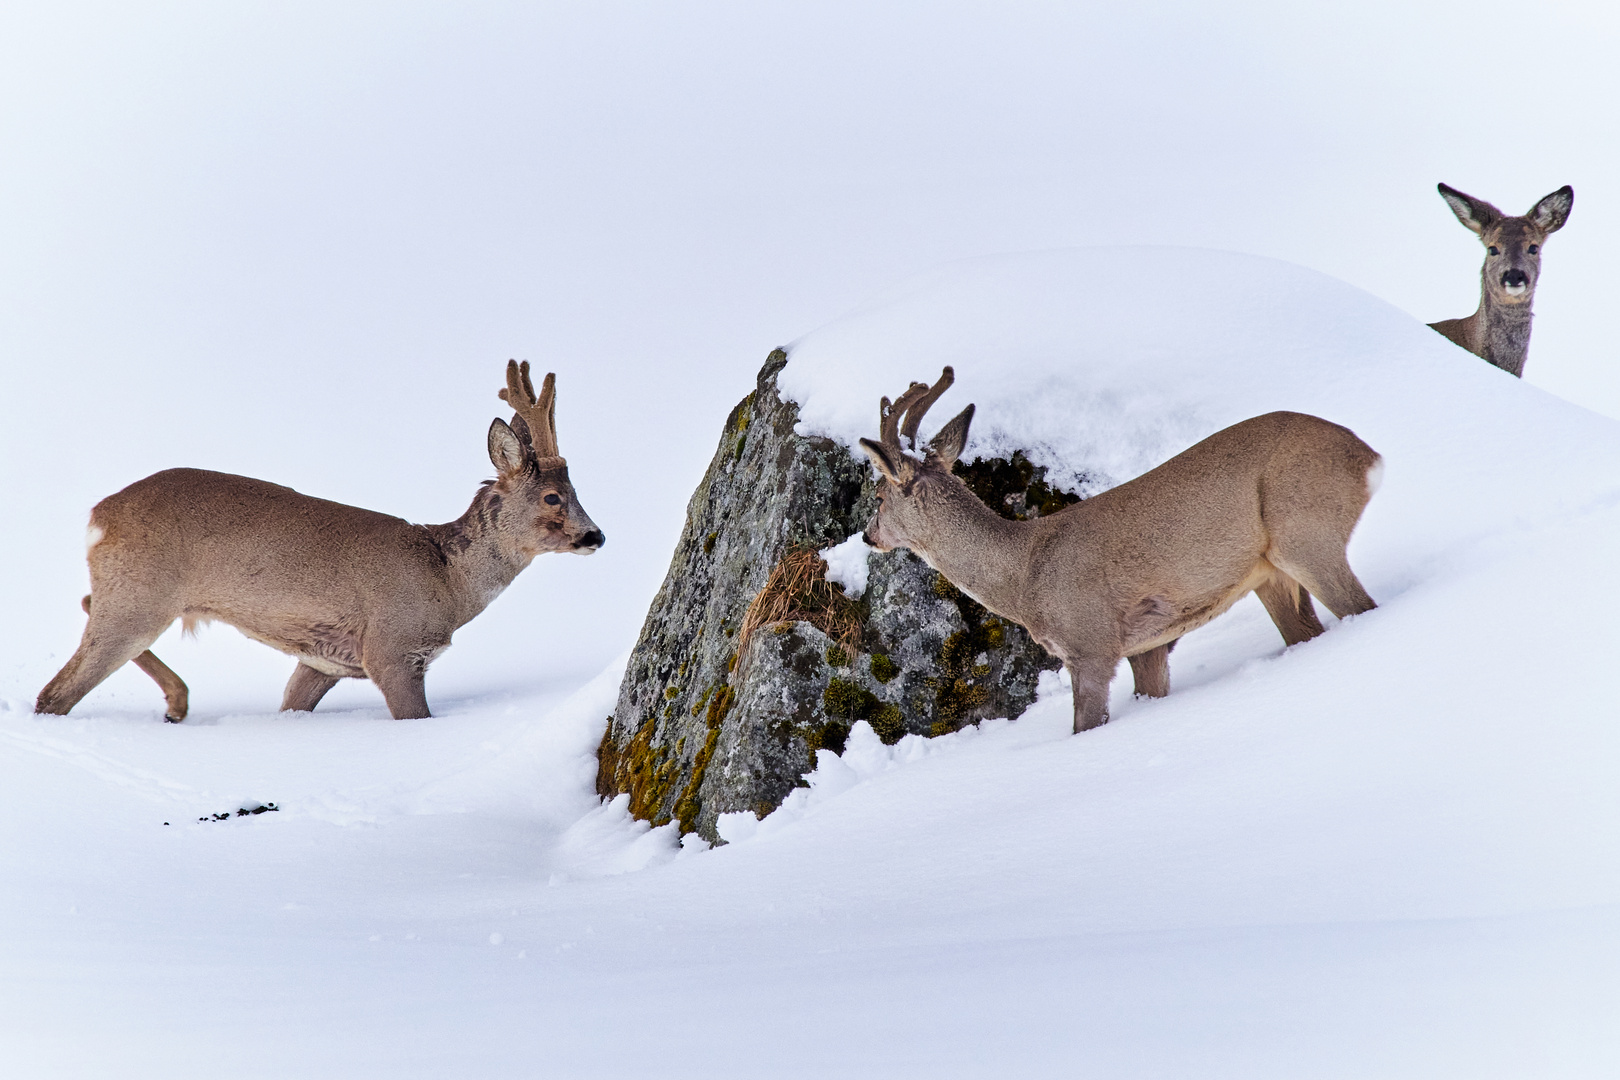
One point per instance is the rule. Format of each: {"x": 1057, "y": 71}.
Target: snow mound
{"x": 1102, "y": 363}
{"x": 1407, "y": 827}
{"x": 847, "y": 565}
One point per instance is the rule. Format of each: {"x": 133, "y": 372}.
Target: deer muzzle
{"x": 873, "y": 535}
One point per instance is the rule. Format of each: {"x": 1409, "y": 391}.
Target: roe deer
{"x": 349, "y": 592}
{"x": 1499, "y": 331}
{"x": 1266, "y": 505}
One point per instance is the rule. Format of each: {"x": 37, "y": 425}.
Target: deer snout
{"x": 870, "y": 535}
{"x": 1516, "y": 282}
{"x": 587, "y": 544}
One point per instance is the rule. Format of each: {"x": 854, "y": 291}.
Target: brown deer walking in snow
{"x": 349, "y": 592}
{"x": 1266, "y": 505}
{"x": 1499, "y": 331}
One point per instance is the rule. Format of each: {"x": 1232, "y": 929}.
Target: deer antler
{"x": 889, "y": 415}
{"x": 911, "y": 405}
{"x": 539, "y": 414}
{"x": 919, "y": 406}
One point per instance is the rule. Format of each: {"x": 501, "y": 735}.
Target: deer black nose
{"x": 1515, "y": 278}
{"x": 592, "y": 539}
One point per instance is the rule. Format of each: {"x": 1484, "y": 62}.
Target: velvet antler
{"x": 539, "y": 414}
{"x": 917, "y": 408}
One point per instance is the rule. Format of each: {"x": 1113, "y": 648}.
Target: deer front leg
{"x": 402, "y": 688}
{"x": 1089, "y": 680}
{"x": 306, "y": 688}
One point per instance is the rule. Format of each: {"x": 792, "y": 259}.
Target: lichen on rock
{"x": 707, "y": 723}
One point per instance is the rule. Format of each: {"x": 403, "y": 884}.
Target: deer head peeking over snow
{"x": 349, "y": 592}
{"x": 1266, "y": 505}
{"x": 1499, "y": 331}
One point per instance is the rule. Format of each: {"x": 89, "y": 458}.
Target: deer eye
{"x": 1533, "y": 248}
{"x": 552, "y": 500}
{"x": 1493, "y": 250}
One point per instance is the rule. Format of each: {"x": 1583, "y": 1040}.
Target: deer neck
{"x": 979, "y": 551}
{"x": 1503, "y": 331}
{"x": 475, "y": 553}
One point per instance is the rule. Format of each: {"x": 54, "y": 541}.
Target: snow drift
{"x": 1393, "y": 851}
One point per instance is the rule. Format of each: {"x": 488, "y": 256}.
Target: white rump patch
{"x": 92, "y": 536}
{"x": 1375, "y": 477}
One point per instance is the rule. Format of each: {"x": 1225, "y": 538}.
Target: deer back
{"x": 1189, "y": 534}
{"x": 1142, "y": 562}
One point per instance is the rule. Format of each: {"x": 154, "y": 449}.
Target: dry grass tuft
{"x": 798, "y": 591}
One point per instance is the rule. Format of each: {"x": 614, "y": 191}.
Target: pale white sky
{"x": 299, "y": 240}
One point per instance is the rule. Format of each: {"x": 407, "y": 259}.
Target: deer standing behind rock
{"x": 1499, "y": 331}
{"x": 1267, "y": 506}
{"x": 351, "y": 593}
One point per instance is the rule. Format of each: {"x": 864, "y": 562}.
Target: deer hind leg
{"x": 1151, "y": 670}
{"x": 1310, "y": 518}
{"x": 1321, "y": 567}
{"x": 112, "y": 638}
{"x": 175, "y": 694}
{"x": 1290, "y": 607}
{"x": 1333, "y": 583}
{"x": 306, "y": 688}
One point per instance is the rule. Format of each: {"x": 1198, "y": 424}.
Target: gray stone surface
{"x": 699, "y": 731}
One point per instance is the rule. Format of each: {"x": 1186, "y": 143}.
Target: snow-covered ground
{"x": 1392, "y": 851}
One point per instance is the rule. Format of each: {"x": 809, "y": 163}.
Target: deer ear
{"x": 505, "y": 451}
{"x": 1550, "y": 213}
{"x": 947, "y": 443}
{"x": 885, "y": 462}
{"x": 1477, "y": 214}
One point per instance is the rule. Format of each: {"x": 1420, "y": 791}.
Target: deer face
{"x": 542, "y": 511}
{"x": 895, "y": 523}
{"x": 908, "y": 488}
{"x": 903, "y": 518}
{"x": 1512, "y": 261}
{"x": 532, "y": 504}
{"x": 1512, "y": 244}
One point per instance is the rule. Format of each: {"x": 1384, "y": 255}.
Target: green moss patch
{"x": 721, "y": 698}
{"x": 846, "y": 702}
{"x": 647, "y": 774}
{"x": 650, "y": 772}
{"x": 884, "y": 669}
{"x": 960, "y": 686}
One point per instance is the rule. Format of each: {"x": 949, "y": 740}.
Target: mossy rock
{"x": 701, "y": 729}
